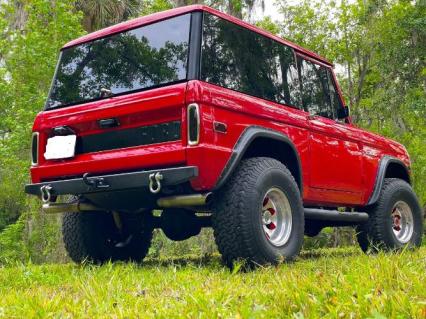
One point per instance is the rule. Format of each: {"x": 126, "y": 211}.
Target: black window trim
{"x": 45, "y": 108}
{"x": 336, "y": 87}
{"x": 195, "y": 43}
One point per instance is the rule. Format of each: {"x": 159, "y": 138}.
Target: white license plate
{"x": 59, "y": 147}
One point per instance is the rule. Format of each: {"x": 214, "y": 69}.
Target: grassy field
{"x": 331, "y": 283}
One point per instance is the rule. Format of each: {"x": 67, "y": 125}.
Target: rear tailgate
{"x": 149, "y": 134}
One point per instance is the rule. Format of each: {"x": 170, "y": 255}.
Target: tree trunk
{"x": 350, "y": 81}
{"x": 19, "y": 17}
{"x": 363, "y": 68}
{"x": 235, "y": 9}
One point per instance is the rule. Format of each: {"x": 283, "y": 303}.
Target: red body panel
{"x": 339, "y": 161}
{"x": 138, "y": 109}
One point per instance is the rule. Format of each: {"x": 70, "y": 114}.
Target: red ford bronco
{"x": 217, "y": 124}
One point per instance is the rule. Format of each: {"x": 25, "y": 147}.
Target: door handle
{"x": 108, "y": 123}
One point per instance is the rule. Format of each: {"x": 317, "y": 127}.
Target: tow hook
{"x": 155, "y": 182}
{"x": 46, "y": 193}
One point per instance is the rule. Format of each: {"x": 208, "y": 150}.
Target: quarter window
{"x": 242, "y": 60}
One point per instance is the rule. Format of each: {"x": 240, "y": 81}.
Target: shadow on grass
{"x": 214, "y": 260}
{"x": 329, "y": 252}
{"x": 185, "y": 260}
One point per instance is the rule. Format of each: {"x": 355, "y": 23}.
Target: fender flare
{"x": 380, "y": 177}
{"x": 243, "y": 143}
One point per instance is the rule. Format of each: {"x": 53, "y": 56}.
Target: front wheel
{"x": 258, "y": 215}
{"x": 395, "y": 221}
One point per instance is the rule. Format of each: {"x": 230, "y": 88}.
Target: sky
{"x": 270, "y": 10}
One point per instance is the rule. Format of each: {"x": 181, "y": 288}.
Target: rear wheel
{"x": 258, "y": 215}
{"x": 95, "y": 237}
{"x": 395, "y": 221}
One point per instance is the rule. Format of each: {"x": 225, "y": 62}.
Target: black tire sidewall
{"x": 276, "y": 178}
{"x": 86, "y": 237}
{"x": 404, "y": 194}
{"x": 377, "y": 233}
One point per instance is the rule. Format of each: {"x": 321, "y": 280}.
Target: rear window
{"x": 141, "y": 58}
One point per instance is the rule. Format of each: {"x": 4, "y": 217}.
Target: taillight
{"x": 193, "y": 124}
{"x": 34, "y": 149}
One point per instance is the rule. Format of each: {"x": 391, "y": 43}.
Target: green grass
{"x": 330, "y": 283}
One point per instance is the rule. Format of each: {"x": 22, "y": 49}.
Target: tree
{"x": 236, "y": 8}
{"x": 181, "y": 3}
{"x": 29, "y": 51}
{"x": 151, "y": 6}
{"x": 102, "y": 13}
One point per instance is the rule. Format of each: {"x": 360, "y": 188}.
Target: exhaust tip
{"x": 208, "y": 198}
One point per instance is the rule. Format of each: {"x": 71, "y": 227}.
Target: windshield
{"x": 141, "y": 58}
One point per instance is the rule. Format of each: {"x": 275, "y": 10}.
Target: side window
{"x": 242, "y": 60}
{"x": 316, "y": 89}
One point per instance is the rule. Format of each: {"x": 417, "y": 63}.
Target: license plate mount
{"x": 60, "y": 147}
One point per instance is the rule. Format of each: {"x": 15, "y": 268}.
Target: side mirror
{"x": 343, "y": 112}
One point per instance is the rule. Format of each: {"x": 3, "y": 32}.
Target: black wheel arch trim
{"x": 384, "y": 163}
{"x": 243, "y": 143}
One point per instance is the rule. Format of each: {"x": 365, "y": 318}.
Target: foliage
{"x": 42, "y": 237}
{"x": 28, "y": 53}
{"x": 267, "y": 24}
{"x": 152, "y": 6}
{"x": 237, "y": 8}
{"x": 12, "y": 246}
{"x": 102, "y": 13}
{"x": 202, "y": 245}
{"x": 332, "y": 283}
{"x": 99, "y": 14}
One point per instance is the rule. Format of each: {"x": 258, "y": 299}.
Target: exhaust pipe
{"x": 76, "y": 207}
{"x": 164, "y": 202}
{"x": 185, "y": 200}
